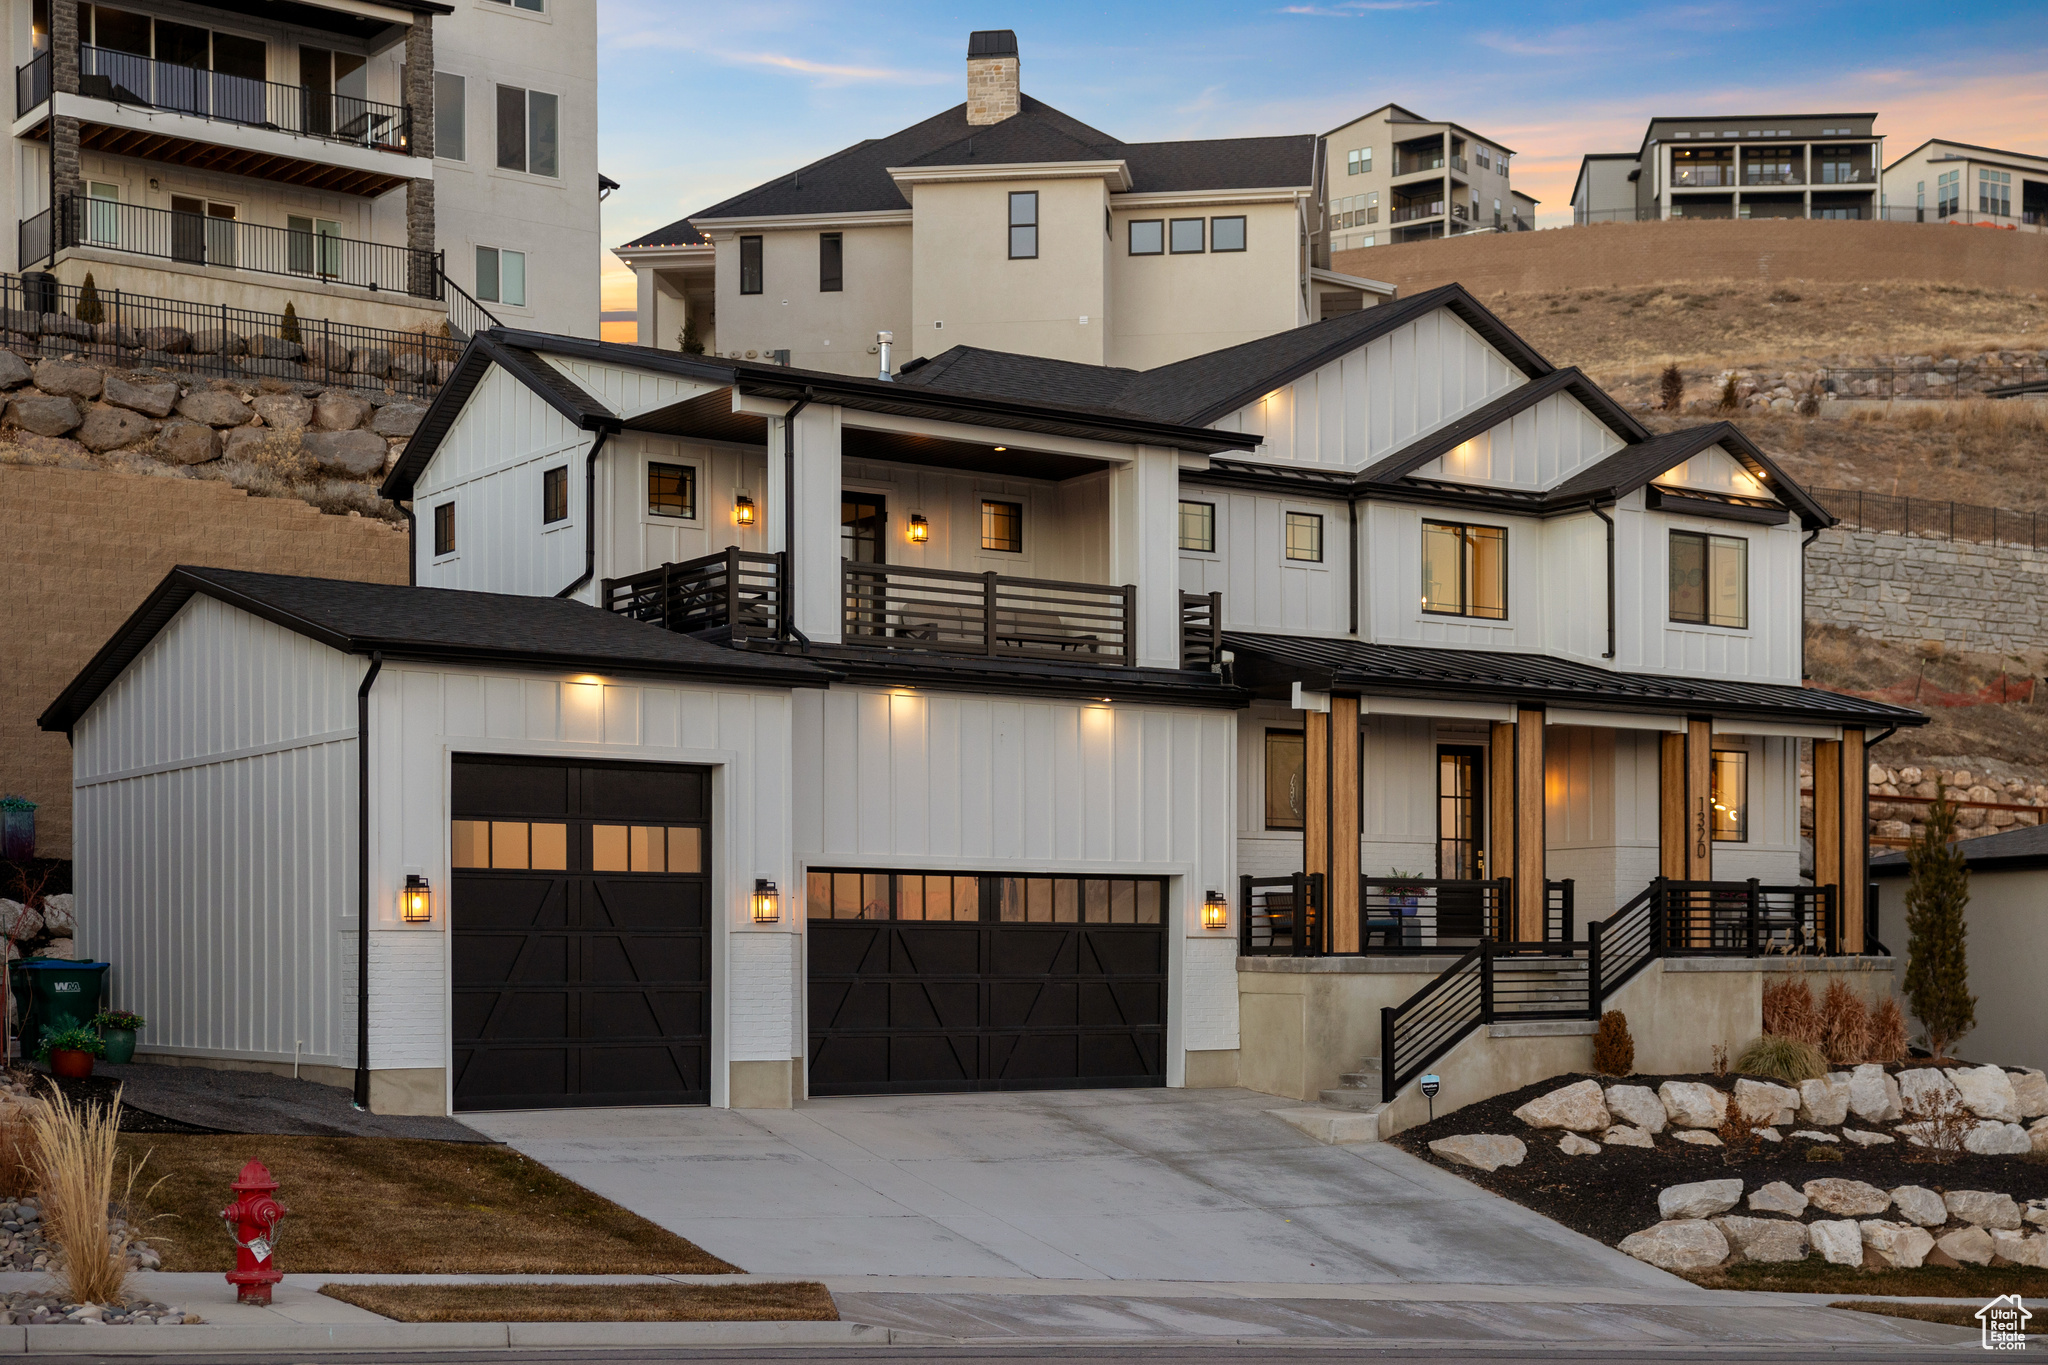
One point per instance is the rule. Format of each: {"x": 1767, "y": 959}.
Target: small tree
{"x": 1671, "y": 387}
{"x": 288, "y": 330}
{"x": 89, "y": 308}
{"x": 1614, "y": 1051}
{"x": 1937, "y": 970}
{"x": 688, "y": 340}
{"x": 1731, "y": 398}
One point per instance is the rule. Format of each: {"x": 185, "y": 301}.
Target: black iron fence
{"x": 2022, "y": 220}
{"x": 1923, "y": 381}
{"x": 31, "y": 84}
{"x": 125, "y": 78}
{"x": 39, "y": 314}
{"x": 1201, "y": 629}
{"x": 1931, "y": 518}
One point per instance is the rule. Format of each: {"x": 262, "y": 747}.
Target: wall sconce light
{"x": 416, "y": 902}
{"x": 1215, "y": 911}
{"x": 743, "y": 510}
{"x": 766, "y": 902}
{"x": 920, "y": 529}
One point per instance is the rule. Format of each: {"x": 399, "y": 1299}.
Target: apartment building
{"x": 1004, "y": 223}
{"x": 369, "y": 162}
{"x": 1394, "y": 176}
{"x": 1943, "y": 181}
{"x": 1737, "y": 166}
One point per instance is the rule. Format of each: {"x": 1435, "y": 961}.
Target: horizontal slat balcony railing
{"x": 1744, "y": 919}
{"x": 1415, "y": 211}
{"x": 740, "y": 591}
{"x": 125, "y": 78}
{"x": 944, "y": 611}
{"x": 1201, "y": 629}
{"x": 32, "y": 84}
{"x": 1280, "y": 916}
{"x": 229, "y": 243}
{"x": 1429, "y": 915}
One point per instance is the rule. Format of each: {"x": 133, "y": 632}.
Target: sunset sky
{"x": 699, "y": 102}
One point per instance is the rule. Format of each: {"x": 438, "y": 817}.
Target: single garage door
{"x": 580, "y": 926}
{"x": 926, "y": 982}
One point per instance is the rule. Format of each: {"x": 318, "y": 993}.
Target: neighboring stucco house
{"x": 1943, "y": 181}
{"x": 1737, "y": 166}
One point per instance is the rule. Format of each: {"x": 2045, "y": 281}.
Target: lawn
{"x": 399, "y": 1206}
{"x": 1815, "y": 1276}
{"x": 1955, "y": 1315}
{"x": 800, "y": 1302}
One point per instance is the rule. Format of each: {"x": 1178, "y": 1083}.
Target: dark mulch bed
{"x": 1614, "y": 1194}
{"x": 99, "y": 1090}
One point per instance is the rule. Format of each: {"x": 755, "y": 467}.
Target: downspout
{"x": 789, "y": 517}
{"x": 1353, "y": 503}
{"x": 589, "y": 513}
{"x": 412, "y": 544}
{"x": 362, "y": 1097}
{"x": 1594, "y": 508}
{"x": 1811, "y": 536}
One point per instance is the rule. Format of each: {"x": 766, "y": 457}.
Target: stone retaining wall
{"x": 1965, "y": 595}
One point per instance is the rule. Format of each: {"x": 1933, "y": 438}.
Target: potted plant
{"x": 117, "y": 1030}
{"x": 69, "y": 1052}
{"x": 1407, "y": 901}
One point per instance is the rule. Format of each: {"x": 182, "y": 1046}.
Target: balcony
{"x": 1415, "y": 165}
{"x": 227, "y": 243}
{"x": 123, "y": 78}
{"x": 1702, "y": 177}
{"x": 740, "y": 595}
{"x": 1846, "y": 175}
{"x": 1769, "y": 175}
{"x": 1458, "y": 164}
{"x": 32, "y": 84}
{"x": 1415, "y": 212}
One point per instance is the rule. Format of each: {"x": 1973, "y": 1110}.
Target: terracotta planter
{"x": 69, "y": 1064}
{"x": 120, "y": 1045}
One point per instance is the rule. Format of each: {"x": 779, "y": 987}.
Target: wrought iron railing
{"x": 466, "y": 317}
{"x": 944, "y": 611}
{"x": 1409, "y": 214}
{"x": 31, "y": 84}
{"x": 736, "y": 591}
{"x": 125, "y": 78}
{"x": 1201, "y": 629}
{"x": 207, "y": 338}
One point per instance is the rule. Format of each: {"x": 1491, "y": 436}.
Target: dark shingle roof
{"x": 2012, "y": 851}
{"x": 678, "y": 233}
{"x": 1267, "y": 661}
{"x": 440, "y": 624}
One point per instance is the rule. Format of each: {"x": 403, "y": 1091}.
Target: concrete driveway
{"x": 1183, "y": 1185}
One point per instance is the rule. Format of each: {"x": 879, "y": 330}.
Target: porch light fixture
{"x": 766, "y": 902}
{"x": 416, "y": 902}
{"x": 743, "y": 510}
{"x": 920, "y": 529}
{"x": 1215, "y": 911}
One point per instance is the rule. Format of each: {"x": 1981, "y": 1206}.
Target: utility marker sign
{"x": 2005, "y": 1321}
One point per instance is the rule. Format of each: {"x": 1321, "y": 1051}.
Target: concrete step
{"x": 1352, "y": 1096}
{"x": 1338, "y": 1127}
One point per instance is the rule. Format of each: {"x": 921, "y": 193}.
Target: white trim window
{"x": 531, "y": 6}
{"x": 529, "y": 131}
{"x": 501, "y": 276}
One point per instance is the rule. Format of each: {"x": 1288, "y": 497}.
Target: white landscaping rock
{"x": 1687, "y": 1244}
{"x": 2036, "y": 1212}
{"x": 2037, "y": 1134}
{"x": 1764, "y": 1239}
{"x": 1621, "y": 1135}
{"x": 1693, "y": 1104}
{"x": 1847, "y": 1197}
{"x": 1484, "y": 1151}
{"x": 1839, "y": 1243}
{"x": 1814, "y": 1135}
{"x": 1702, "y": 1199}
{"x": 1824, "y": 1102}
{"x": 1873, "y": 1094}
{"x": 1638, "y": 1104}
{"x": 1898, "y": 1244}
{"x": 1971, "y": 1246}
{"x": 1863, "y": 1139}
{"x": 1919, "y": 1087}
{"x": 1770, "y": 1135}
{"x": 1778, "y": 1197}
{"x": 1998, "y": 1139}
{"x": 1918, "y": 1204}
{"x": 2030, "y": 1088}
{"x": 1571, "y": 1144}
{"x": 60, "y": 913}
{"x": 1765, "y": 1102}
{"x": 1578, "y": 1107}
{"x": 1698, "y": 1137}
{"x": 2019, "y": 1249}
{"x": 1988, "y": 1092}
{"x": 1983, "y": 1207}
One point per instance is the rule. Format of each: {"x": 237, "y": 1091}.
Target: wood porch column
{"x": 1531, "y": 862}
{"x": 1840, "y": 829}
{"x": 1685, "y": 833}
{"x": 1331, "y": 820}
{"x": 1500, "y": 801}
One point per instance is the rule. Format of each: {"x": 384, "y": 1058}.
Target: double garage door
{"x": 580, "y": 922}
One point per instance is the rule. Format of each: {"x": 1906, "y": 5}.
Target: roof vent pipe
{"x": 883, "y": 340}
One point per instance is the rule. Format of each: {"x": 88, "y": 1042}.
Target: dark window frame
{"x": 1208, "y": 549}
{"x": 1028, "y": 225}
{"x": 1243, "y": 235}
{"x": 554, "y": 495}
{"x": 1466, "y": 607}
{"x": 1131, "y": 236}
{"x": 1016, "y": 519}
{"x": 880, "y": 896}
{"x": 1172, "y": 249}
{"x": 1707, "y": 541}
{"x": 686, "y": 489}
{"x": 1287, "y": 537}
{"x": 831, "y": 262}
{"x": 444, "y": 528}
{"x": 752, "y": 275}
{"x": 1739, "y": 831}
{"x": 1266, "y": 769}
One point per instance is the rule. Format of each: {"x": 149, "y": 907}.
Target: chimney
{"x": 992, "y": 92}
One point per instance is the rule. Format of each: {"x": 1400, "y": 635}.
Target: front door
{"x": 1460, "y": 839}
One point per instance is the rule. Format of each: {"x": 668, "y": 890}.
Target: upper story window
{"x": 1226, "y": 234}
{"x": 1002, "y": 527}
{"x": 1185, "y": 235}
{"x": 831, "y": 262}
{"x": 1948, "y": 192}
{"x": 1729, "y": 790}
{"x": 444, "y": 529}
{"x": 1148, "y": 237}
{"x": 1286, "y": 779}
{"x": 672, "y": 490}
{"x": 529, "y": 132}
{"x": 554, "y": 494}
{"x": 1024, "y": 225}
{"x": 1305, "y": 537}
{"x": 1709, "y": 579}
{"x": 1465, "y": 570}
{"x": 1358, "y": 162}
{"x": 1198, "y": 527}
{"x": 1994, "y": 192}
{"x": 119, "y": 44}
{"x": 501, "y": 276}
{"x": 451, "y": 116}
{"x": 537, "y": 6}
{"x": 750, "y": 265}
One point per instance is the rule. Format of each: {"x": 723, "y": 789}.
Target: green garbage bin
{"x": 58, "y": 994}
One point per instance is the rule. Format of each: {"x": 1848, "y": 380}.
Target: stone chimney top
{"x": 992, "y": 90}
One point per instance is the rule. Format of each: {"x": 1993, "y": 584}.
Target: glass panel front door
{"x": 1459, "y": 841}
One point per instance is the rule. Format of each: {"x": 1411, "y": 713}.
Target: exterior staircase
{"x": 1349, "y": 1112}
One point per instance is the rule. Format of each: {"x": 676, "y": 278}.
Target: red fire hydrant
{"x": 252, "y": 1221}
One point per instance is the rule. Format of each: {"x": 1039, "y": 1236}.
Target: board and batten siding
{"x": 894, "y": 778}
{"x": 1369, "y": 403}
{"x": 639, "y": 539}
{"x": 215, "y": 854}
{"x": 1262, "y": 588}
{"x": 1538, "y": 447}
